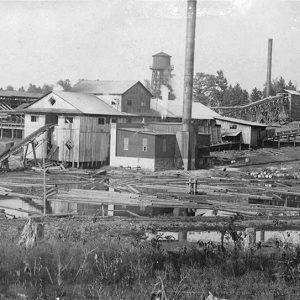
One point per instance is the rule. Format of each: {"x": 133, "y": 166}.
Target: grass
{"x": 113, "y": 268}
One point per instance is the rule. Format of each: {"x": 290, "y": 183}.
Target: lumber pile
{"x": 219, "y": 190}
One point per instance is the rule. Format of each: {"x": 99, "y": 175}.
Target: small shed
{"x": 142, "y": 147}
{"x": 244, "y": 132}
{"x": 153, "y": 146}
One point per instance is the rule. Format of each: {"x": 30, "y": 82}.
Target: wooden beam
{"x": 25, "y": 154}
{"x": 33, "y": 151}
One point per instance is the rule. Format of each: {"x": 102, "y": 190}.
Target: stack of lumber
{"x": 124, "y": 199}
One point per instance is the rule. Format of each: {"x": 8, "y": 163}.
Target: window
{"x": 68, "y": 120}
{"x": 126, "y": 142}
{"x": 129, "y": 102}
{"x": 143, "y": 103}
{"x": 233, "y": 126}
{"x": 164, "y": 145}
{"x": 145, "y": 144}
{"x": 101, "y": 121}
{"x": 114, "y": 120}
{"x": 52, "y": 101}
{"x": 34, "y": 118}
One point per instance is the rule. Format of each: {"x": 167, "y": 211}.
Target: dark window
{"x": 126, "y": 143}
{"x": 129, "y": 102}
{"x": 114, "y": 120}
{"x": 233, "y": 126}
{"x": 34, "y": 118}
{"x": 101, "y": 121}
{"x": 145, "y": 145}
{"x": 68, "y": 120}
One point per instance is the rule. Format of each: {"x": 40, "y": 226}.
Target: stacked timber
{"x": 124, "y": 199}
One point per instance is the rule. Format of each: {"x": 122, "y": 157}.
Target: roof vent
{"x": 52, "y": 101}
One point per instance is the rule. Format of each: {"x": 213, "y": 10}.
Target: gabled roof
{"x": 239, "y": 121}
{"x": 174, "y": 109}
{"x": 162, "y": 54}
{"x": 106, "y": 87}
{"x": 82, "y": 103}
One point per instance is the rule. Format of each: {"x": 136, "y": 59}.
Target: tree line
{"x": 46, "y": 88}
{"x": 214, "y": 90}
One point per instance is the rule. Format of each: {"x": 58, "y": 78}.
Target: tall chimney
{"x": 189, "y": 64}
{"x": 269, "y": 68}
{"x": 186, "y": 138}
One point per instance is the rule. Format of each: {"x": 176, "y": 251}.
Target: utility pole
{"x": 44, "y": 173}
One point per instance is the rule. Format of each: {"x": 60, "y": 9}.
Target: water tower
{"x": 161, "y": 72}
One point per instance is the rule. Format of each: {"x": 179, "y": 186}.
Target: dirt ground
{"x": 258, "y": 156}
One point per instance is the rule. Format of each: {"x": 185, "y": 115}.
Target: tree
{"x": 21, "y": 89}
{"x": 221, "y": 86}
{"x": 235, "y": 96}
{"x": 32, "y": 88}
{"x": 256, "y": 95}
{"x": 65, "y": 84}
{"x": 291, "y": 86}
{"x": 209, "y": 89}
{"x": 10, "y": 88}
{"x": 47, "y": 88}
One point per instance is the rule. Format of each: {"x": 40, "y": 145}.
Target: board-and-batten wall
{"x": 88, "y": 138}
{"x": 93, "y": 140}
{"x": 64, "y": 133}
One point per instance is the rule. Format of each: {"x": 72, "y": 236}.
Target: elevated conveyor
{"x": 27, "y": 140}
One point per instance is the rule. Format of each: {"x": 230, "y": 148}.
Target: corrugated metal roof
{"x": 147, "y": 131}
{"x": 162, "y": 54}
{"x": 229, "y": 133}
{"x": 20, "y": 94}
{"x": 239, "y": 121}
{"x": 83, "y": 103}
{"x": 174, "y": 108}
{"x": 105, "y": 87}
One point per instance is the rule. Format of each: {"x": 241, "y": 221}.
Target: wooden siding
{"x": 295, "y": 107}
{"x": 63, "y": 133}
{"x": 135, "y": 144}
{"x": 93, "y": 140}
{"x": 166, "y": 127}
{"x": 245, "y": 129}
{"x": 170, "y": 146}
{"x": 137, "y": 95}
{"x": 30, "y": 127}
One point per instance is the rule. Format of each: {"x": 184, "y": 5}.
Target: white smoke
{"x": 165, "y": 99}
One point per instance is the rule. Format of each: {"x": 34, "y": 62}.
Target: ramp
{"x": 275, "y": 109}
{"x": 28, "y": 139}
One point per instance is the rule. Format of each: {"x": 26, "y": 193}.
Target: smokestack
{"x": 189, "y": 64}
{"x": 269, "y": 68}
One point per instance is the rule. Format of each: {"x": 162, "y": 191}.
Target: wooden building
{"x": 82, "y": 127}
{"x": 152, "y": 146}
{"x": 241, "y": 131}
{"x": 11, "y": 120}
{"x": 202, "y": 116}
{"x": 125, "y": 96}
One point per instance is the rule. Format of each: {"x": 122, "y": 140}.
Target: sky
{"x": 45, "y": 41}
